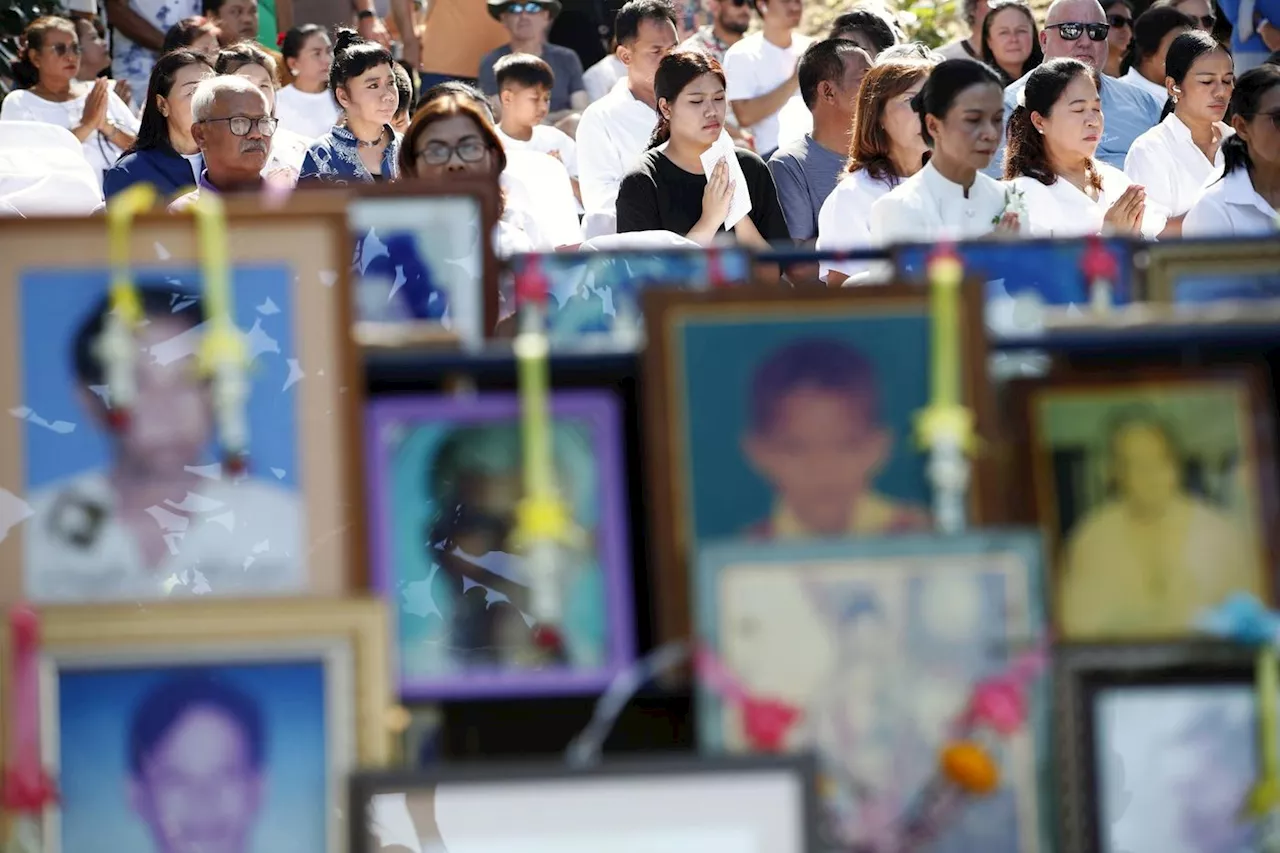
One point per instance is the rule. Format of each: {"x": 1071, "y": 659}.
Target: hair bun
{"x": 344, "y": 38}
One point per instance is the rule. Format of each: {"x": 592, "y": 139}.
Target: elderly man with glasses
{"x": 232, "y": 125}
{"x": 1078, "y": 29}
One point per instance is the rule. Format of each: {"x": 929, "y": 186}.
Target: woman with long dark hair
{"x": 164, "y": 154}
{"x": 1010, "y": 41}
{"x": 306, "y": 106}
{"x": 1053, "y": 135}
{"x": 960, "y": 110}
{"x": 1244, "y": 201}
{"x": 1179, "y": 156}
{"x": 886, "y": 148}
{"x": 670, "y": 191}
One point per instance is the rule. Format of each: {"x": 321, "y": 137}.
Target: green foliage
{"x": 933, "y": 22}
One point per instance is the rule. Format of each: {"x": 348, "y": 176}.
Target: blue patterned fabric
{"x": 334, "y": 158}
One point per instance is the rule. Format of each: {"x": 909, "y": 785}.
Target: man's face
{"x": 654, "y": 40}
{"x": 732, "y": 16}
{"x": 172, "y": 418}
{"x": 229, "y": 156}
{"x": 855, "y": 68}
{"x": 525, "y": 20}
{"x": 820, "y": 453}
{"x": 782, "y": 13}
{"x": 1090, "y": 52}
{"x": 1145, "y": 471}
{"x": 527, "y": 105}
{"x": 198, "y": 791}
{"x": 237, "y": 20}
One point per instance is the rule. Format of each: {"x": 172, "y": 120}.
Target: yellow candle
{"x": 531, "y": 350}
{"x": 945, "y": 274}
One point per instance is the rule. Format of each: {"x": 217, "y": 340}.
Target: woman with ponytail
{"x": 1176, "y": 159}
{"x": 960, "y": 110}
{"x": 1244, "y": 200}
{"x": 669, "y": 190}
{"x": 1053, "y": 134}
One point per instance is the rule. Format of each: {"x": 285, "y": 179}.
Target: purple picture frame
{"x": 599, "y": 409}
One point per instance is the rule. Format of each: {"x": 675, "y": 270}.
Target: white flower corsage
{"x": 1014, "y": 202}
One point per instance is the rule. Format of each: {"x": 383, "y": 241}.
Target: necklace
{"x": 360, "y": 143}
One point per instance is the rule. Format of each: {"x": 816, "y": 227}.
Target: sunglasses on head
{"x": 1120, "y": 22}
{"x": 1073, "y": 30}
{"x": 523, "y": 8}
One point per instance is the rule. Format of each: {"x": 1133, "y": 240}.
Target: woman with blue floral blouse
{"x": 362, "y": 147}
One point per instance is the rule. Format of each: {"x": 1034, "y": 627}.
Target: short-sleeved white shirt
{"x": 844, "y": 222}
{"x": 754, "y": 67}
{"x": 24, "y": 105}
{"x": 308, "y": 114}
{"x": 1168, "y": 164}
{"x": 547, "y": 140}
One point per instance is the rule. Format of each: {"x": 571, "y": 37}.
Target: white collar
{"x": 943, "y": 187}
{"x": 1237, "y": 188}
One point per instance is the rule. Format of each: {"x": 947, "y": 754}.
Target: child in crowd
{"x": 404, "y": 107}
{"x": 524, "y": 89}
{"x": 815, "y": 435}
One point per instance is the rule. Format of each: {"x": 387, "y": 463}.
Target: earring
{"x": 295, "y": 71}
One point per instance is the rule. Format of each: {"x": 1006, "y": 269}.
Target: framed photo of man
{"x": 1156, "y": 491}
{"x": 217, "y": 725}
{"x": 111, "y": 503}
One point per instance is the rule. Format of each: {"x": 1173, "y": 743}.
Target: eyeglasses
{"x": 523, "y": 8}
{"x": 1074, "y": 29}
{"x": 64, "y": 48}
{"x": 439, "y": 153}
{"x": 1120, "y": 22}
{"x": 241, "y": 125}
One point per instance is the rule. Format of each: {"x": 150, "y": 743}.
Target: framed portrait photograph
{"x": 1156, "y": 491}
{"x": 879, "y": 643}
{"x": 594, "y": 297}
{"x": 807, "y": 431}
{"x": 1157, "y": 747}
{"x": 445, "y": 479}
{"x": 668, "y": 804}
{"x": 210, "y": 725}
{"x": 135, "y": 504}
{"x": 424, "y": 269}
{"x": 1203, "y": 272}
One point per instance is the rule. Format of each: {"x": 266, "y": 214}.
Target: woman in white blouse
{"x": 47, "y": 66}
{"x": 306, "y": 106}
{"x": 1053, "y": 134}
{"x": 1177, "y": 158}
{"x": 1245, "y": 200}
{"x": 961, "y": 110}
{"x": 887, "y": 147}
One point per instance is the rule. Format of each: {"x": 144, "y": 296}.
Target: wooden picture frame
{"x": 844, "y": 315}
{"x": 1163, "y": 265}
{"x": 290, "y": 285}
{"x": 1091, "y": 812}
{"x": 419, "y": 212}
{"x": 1147, "y": 398}
{"x": 279, "y": 700}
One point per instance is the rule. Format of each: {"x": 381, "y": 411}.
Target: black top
{"x": 660, "y": 196}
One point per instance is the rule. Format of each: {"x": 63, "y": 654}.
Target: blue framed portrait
{"x": 792, "y": 415}
{"x": 878, "y": 644}
{"x": 1204, "y": 272}
{"x": 137, "y": 502}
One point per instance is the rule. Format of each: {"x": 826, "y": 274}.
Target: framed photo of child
{"x": 790, "y": 415}
{"x": 105, "y": 503}
{"x": 1156, "y": 492}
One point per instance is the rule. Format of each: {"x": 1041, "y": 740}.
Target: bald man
{"x": 233, "y": 126}
{"x": 1077, "y": 29}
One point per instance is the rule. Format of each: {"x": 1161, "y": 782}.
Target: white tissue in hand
{"x": 740, "y": 204}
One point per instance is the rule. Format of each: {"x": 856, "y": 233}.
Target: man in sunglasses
{"x": 528, "y": 22}
{"x": 730, "y": 20}
{"x": 233, "y": 126}
{"x": 1078, "y": 29}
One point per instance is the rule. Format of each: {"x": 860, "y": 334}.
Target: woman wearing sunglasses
{"x": 1244, "y": 201}
{"x": 1120, "y": 19}
{"x": 1153, "y": 32}
{"x": 46, "y": 69}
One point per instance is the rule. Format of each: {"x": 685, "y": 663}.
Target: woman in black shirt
{"x": 668, "y": 190}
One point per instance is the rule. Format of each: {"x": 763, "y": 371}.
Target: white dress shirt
{"x": 1155, "y": 90}
{"x": 844, "y": 222}
{"x": 602, "y": 77}
{"x": 307, "y": 114}
{"x": 754, "y": 67}
{"x": 1230, "y": 208}
{"x": 612, "y": 136}
{"x": 927, "y": 207}
{"x": 1168, "y": 164}
{"x": 1063, "y": 210}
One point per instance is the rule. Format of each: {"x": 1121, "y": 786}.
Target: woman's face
{"x": 58, "y": 59}
{"x": 372, "y": 97}
{"x": 93, "y": 48}
{"x": 206, "y": 44}
{"x": 311, "y": 68}
{"x": 176, "y": 107}
{"x": 1010, "y": 39}
{"x": 901, "y": 123}
{"x": 697, "y": 114}
{"x": 970, "y": 132}
{"x": 258, "y": 76}
{"x": 452, "y": 146}
{"x": 1073, "y": 127}
{"x": 1146, "y": 472}
{"x": 1261, "y": 132}
{"x": 1121, "y": 32}
{"x": 1206, "y": 90}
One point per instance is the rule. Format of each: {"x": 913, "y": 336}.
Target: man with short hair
{"x": 1077, "y": 29}
{"x": 805, "y": 172}
{"x": 974, "y": 13}
{"x": 866, "y": 28}
{"x": 730, "y": 20}
{"x": 614, "y": 131}
{"x": 528, "y": 22}
{"x": 760, "y": 71}
{"x": 236, "y": 20}
{"x": 232, "y": 125}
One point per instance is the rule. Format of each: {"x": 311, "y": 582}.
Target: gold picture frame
{"x": 1164, "y": 263}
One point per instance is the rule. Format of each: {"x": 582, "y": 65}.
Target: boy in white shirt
{"x": 524, "y": 88}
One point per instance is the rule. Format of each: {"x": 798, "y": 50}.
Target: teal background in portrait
{"x": 718, "y": 361}
{"x": 95, "y": 708}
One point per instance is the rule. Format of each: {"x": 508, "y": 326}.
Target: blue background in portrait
{"x": 95, "y": 710}
{"x": 719, "y": 360}
{"x": 1200, "y": 289}
{"x": 54, "y": 303}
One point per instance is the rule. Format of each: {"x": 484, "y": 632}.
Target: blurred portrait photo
{"x": 1155, "y": 499}
{"x": 135, "y": 504}
{"x": 228, "y": 759}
